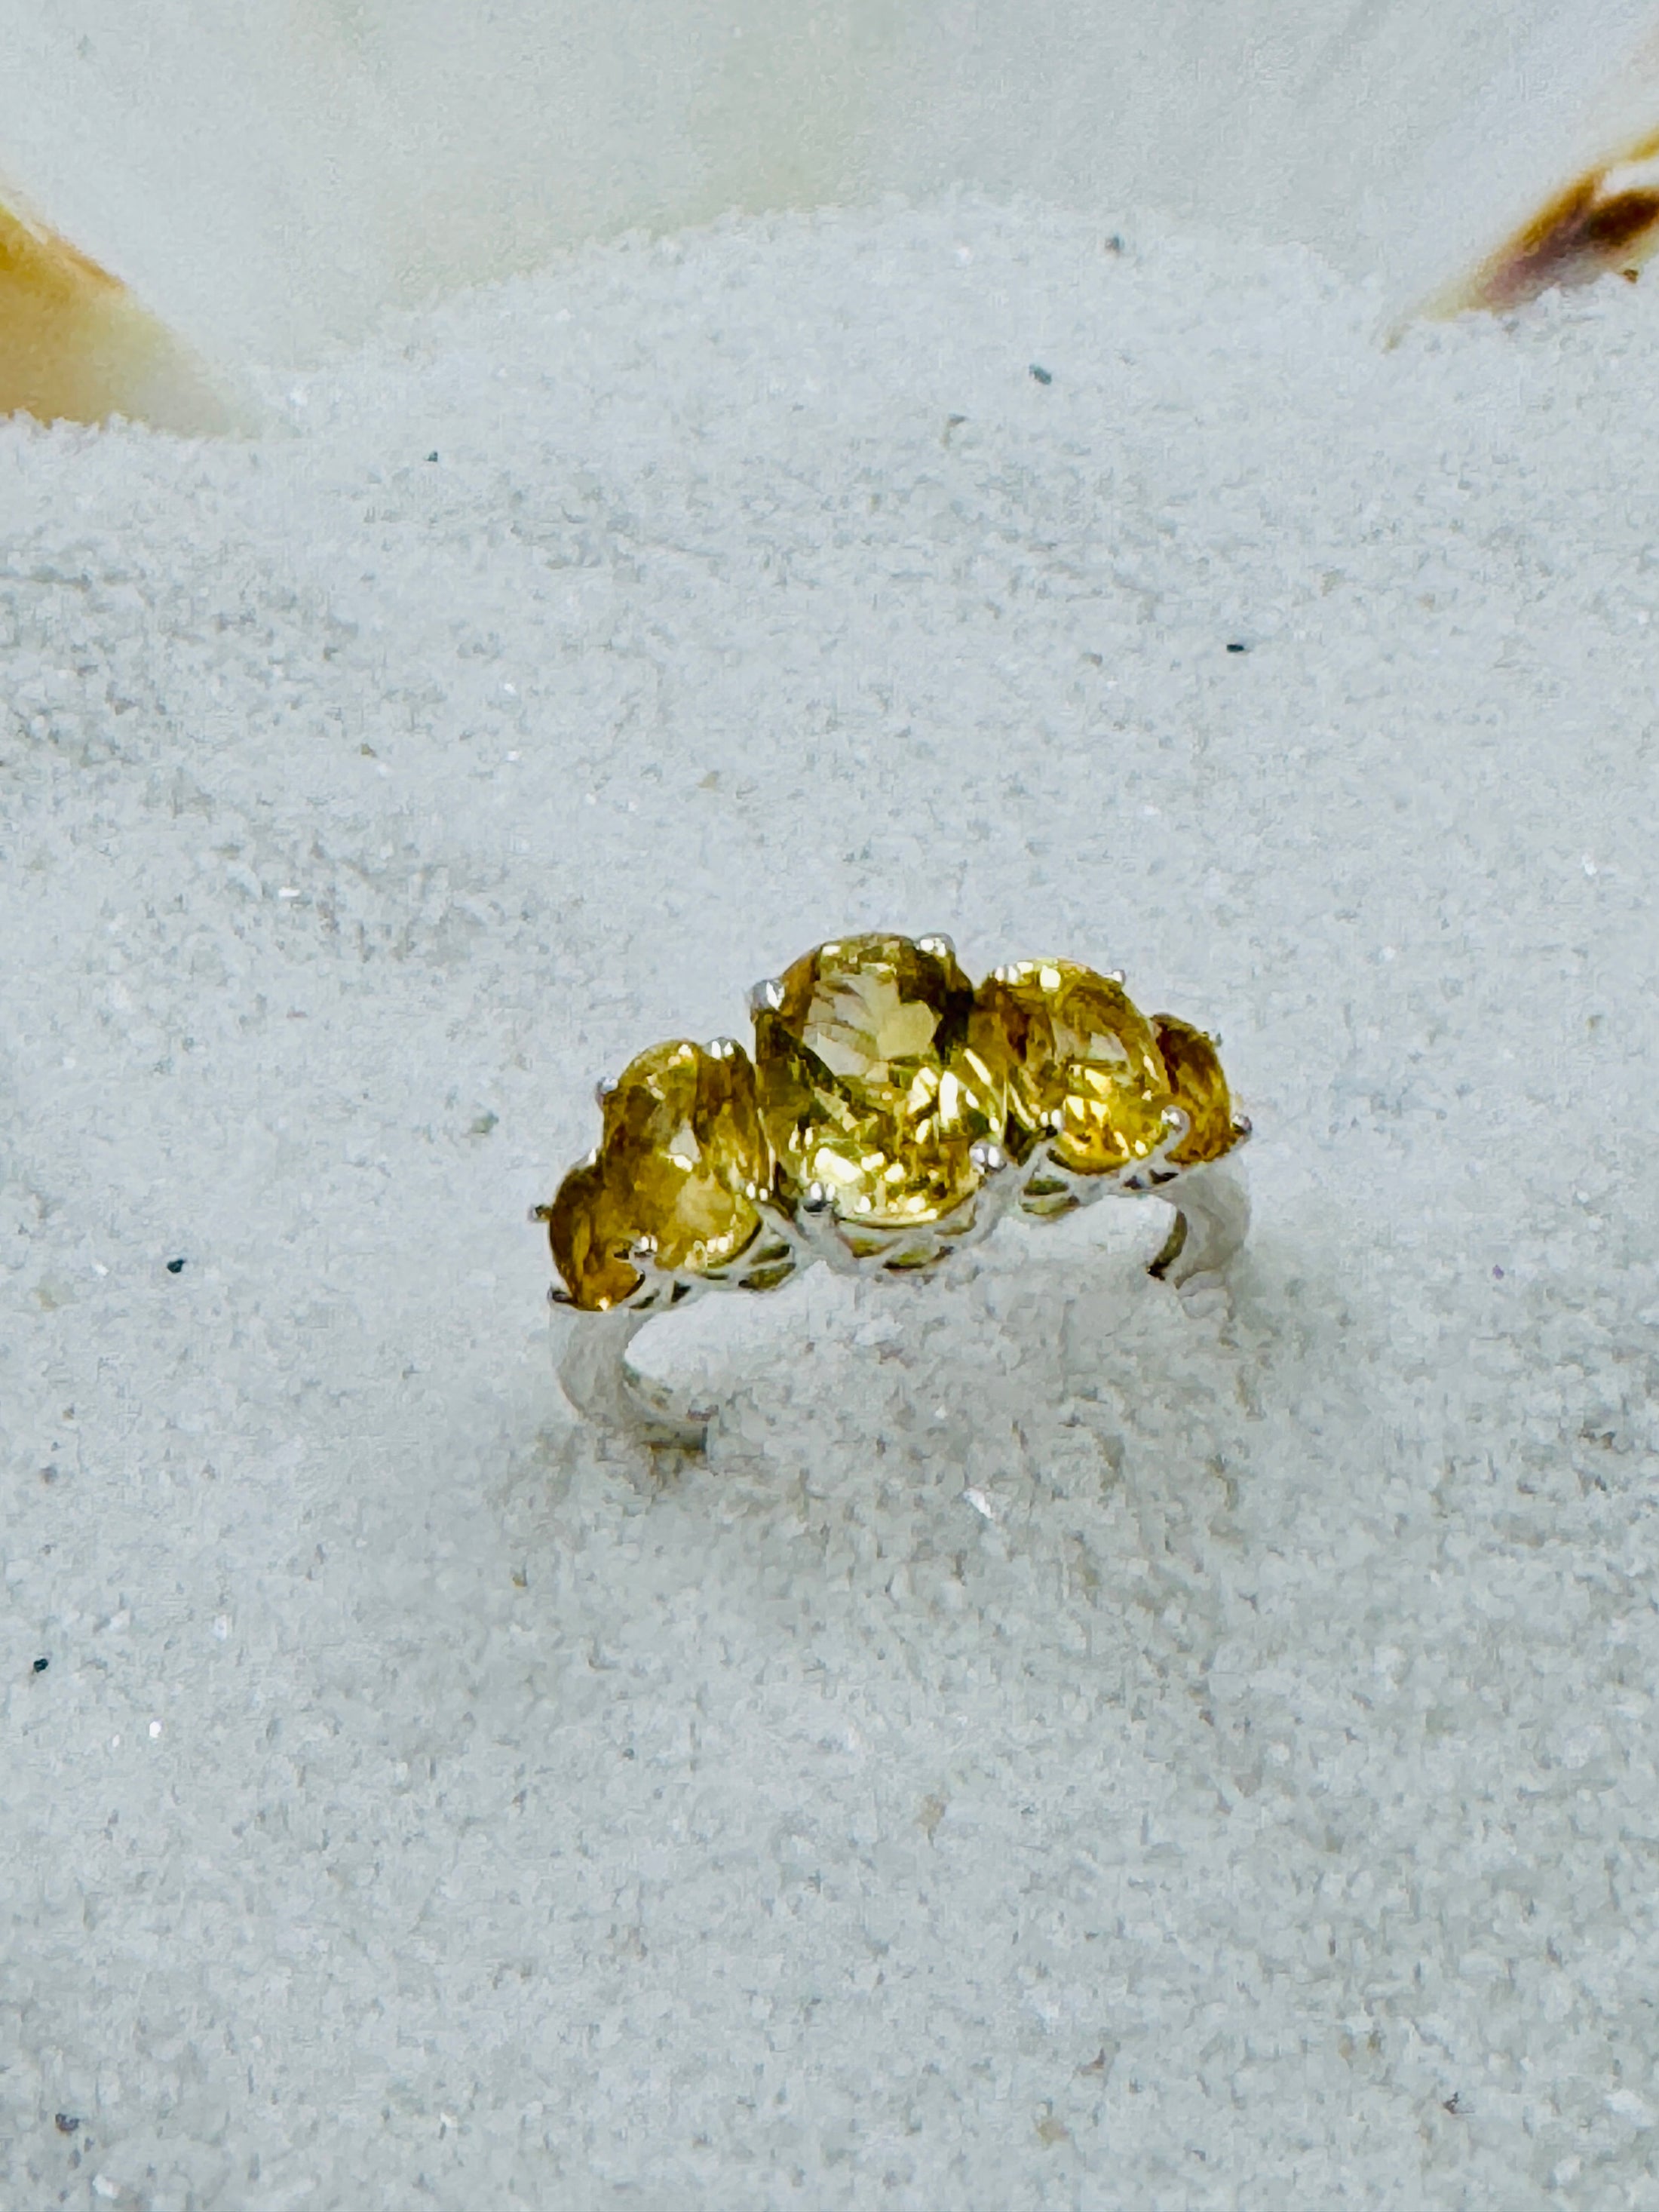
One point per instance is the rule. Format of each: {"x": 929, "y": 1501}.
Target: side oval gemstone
{"x": 1075, "y": 1062}
{"x": 680, "y": 1162}
{"x": 588, "y": 1229}
{"x": 1199, "y": 1090}
{"x": 863, "y": 1084}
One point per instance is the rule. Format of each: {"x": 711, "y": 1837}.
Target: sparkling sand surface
{"x": 1057, "y": 1750}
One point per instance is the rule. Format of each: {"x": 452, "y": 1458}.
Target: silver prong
{"x": 1153, "y": 1170}
{"x": 724, "y": 1047}
{"x": 1118, "y": 975}
{"x": 558, "y": 1296}
{"x": 540, "y": 1213}
{"x": 778, "y": 1224}
{"x": 766, "y": 997}
{"x": 988, "y": 1158}
{"x": 940, "y": 946}
{"x": 1243, "y": 1126}
{"x": 603, "y": 1089}
{"x": 590, "y": 1159}
{"x": 642, "y": 1252}
{"x": 818, "y": 1232}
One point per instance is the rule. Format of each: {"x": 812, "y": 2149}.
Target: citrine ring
{"x": 891, "y": 1115}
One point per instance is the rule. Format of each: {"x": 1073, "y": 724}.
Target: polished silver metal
{"x": 766, "y": 996}
{"x": 601, "y": 1381}
{"x": 1212, "y": 1215}
{"x": 1211, "y": 1205}
{"x": 941, "y": 947}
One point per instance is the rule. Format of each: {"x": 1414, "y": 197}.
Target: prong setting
{"x": 895, "y": 1206}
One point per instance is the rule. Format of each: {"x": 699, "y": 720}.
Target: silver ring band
{"x": 1211, "y": 1214}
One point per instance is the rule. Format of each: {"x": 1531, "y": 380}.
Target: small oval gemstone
{"x": 1075, "y": 1062}
{"x": 681, "y": 1130}
{"x": 680, "y": 1156}
{"x": 1200, "y": 1091}
{"x": 862, "y": 1083}
{"x": 588, "y": 1229}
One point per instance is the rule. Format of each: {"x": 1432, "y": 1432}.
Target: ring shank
{"x": 1212, "y": 1210}
{"x": 601, "y": 1381}
{"x": 1212, "y": 1217}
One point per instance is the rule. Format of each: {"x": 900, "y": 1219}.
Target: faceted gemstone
{"x": 683, "y": 1131}
{"x": 680, "y": 1161}
{"x": 1200, "y": 1088}
{"x": 863, "y": 1085}
{"x": 588, "y": 1228}
{"x": 1075, "y": 1062}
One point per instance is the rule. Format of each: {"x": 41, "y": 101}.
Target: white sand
{"x": 1251, "y": 1799}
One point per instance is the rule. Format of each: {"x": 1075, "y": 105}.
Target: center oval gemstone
{"x": 680, "y": 1162}
{"x": 862, "y": 1083}
{"x": 1075, "y": 1061}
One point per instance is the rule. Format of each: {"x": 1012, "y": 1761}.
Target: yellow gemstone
{"x": 1075, "y": 1062}
{"x": 863, "y": 1085}
{"x": 680, "y": 1163}
{"x": 1200, "y": 1091}
{"x": 681, "y": 1130}
{"x": 589, "y": 1229}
